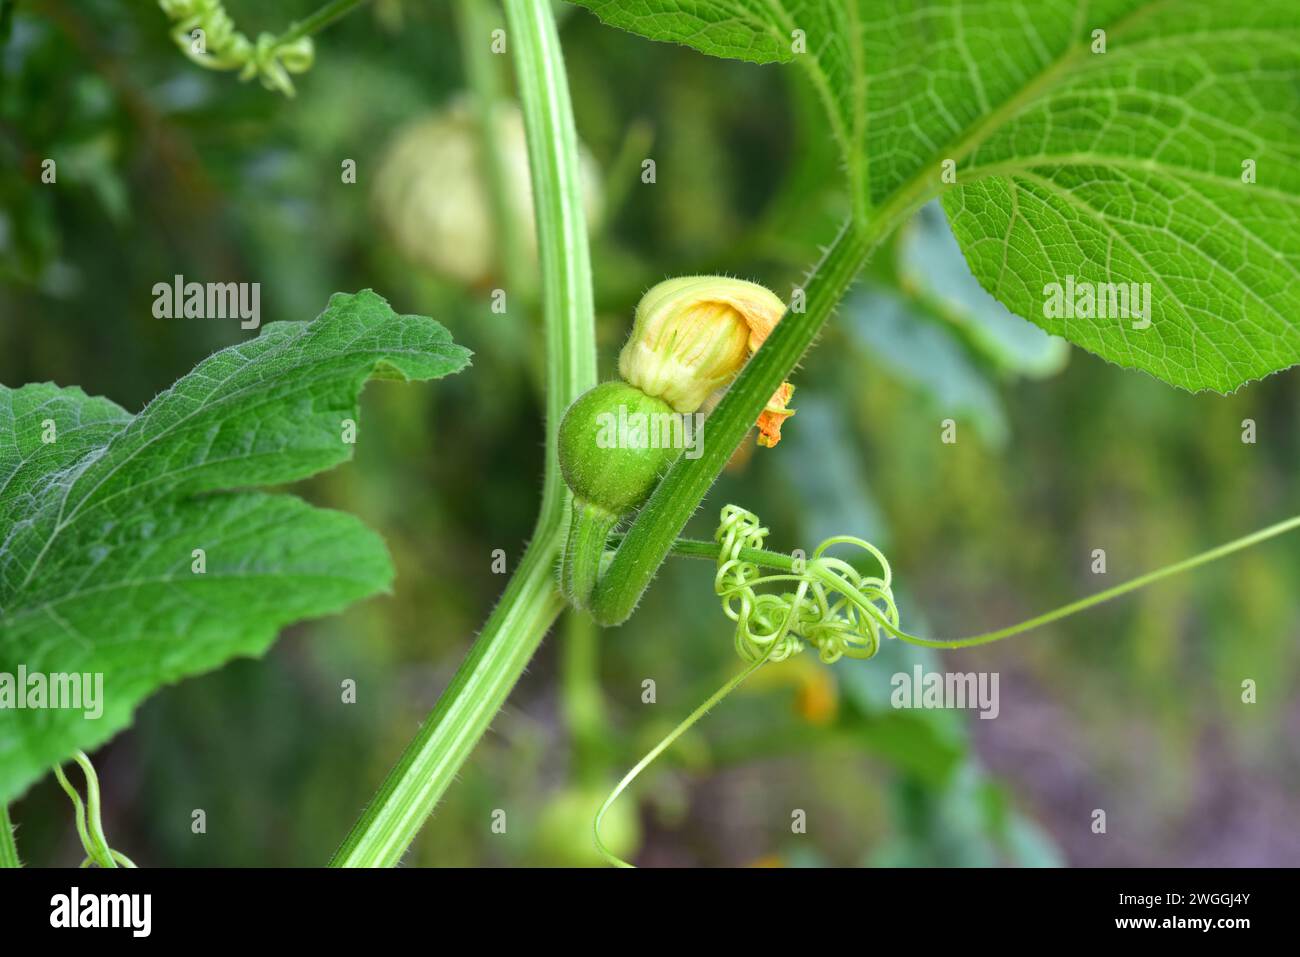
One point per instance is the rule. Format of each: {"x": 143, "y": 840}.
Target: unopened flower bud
{"x": 693, "y": 335}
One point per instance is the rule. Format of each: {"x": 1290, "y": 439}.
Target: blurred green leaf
{"x": 883, "y": 323}
{"x": 834, "y": 498}
{"x": 934, "y": 272}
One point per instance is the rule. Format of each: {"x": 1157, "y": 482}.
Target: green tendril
{"x": 835, "y": 608}
{"x": 660, "y": 748}
{"x": 90, "y": 825}
{"x": 863, "y": 596}
{"x": 271, "y": 58}
{"x": 838, "y": 610}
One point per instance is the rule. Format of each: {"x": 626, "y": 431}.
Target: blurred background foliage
{"x": 166, "y": 168}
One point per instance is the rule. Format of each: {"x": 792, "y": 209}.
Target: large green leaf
{"x": 1123, "y": 166}
{"x": 101, "y": 513}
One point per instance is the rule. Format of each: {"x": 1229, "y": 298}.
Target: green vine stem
{"x": 514, "y": 630}
{"x": 677, "y": 497}
{"x": 8, "y": 846}
{"x": 531, "y": 602}
{"x": 479, "y": 689}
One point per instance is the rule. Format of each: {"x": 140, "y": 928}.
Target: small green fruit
{"x": 606, "y": 447}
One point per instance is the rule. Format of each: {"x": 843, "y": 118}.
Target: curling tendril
{"x": 270, "y": 58}
{"x": 90, "y": 825}
{"x": 835, "y": 608}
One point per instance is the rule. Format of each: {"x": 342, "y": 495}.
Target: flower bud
{"x": 693, "y": 335}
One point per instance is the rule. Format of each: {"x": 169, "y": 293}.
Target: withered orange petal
{"x": 772, "y": 417}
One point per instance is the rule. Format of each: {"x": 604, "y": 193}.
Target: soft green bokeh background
{"x": 1134, "y": 708}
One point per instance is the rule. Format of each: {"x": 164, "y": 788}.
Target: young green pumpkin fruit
{"x": 690, "y": 339}
{"x": 611, "y": 475}
{"x": 609, "y": 479}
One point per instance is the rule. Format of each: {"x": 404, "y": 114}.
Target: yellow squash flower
{"x": 692, "y": 336}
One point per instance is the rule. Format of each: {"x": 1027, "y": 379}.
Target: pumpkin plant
{"x": 1125, "y": 141}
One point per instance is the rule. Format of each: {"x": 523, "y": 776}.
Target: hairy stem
{"x": 8, "y": 847}
{"x": 567, "y": 305}
{"x": 589, "y": 529}
{"x": 676, "y": 498}
{"x": 696, "y": 548}
{"x": 432, "y": 760}
{"x": 531, "y": 602}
